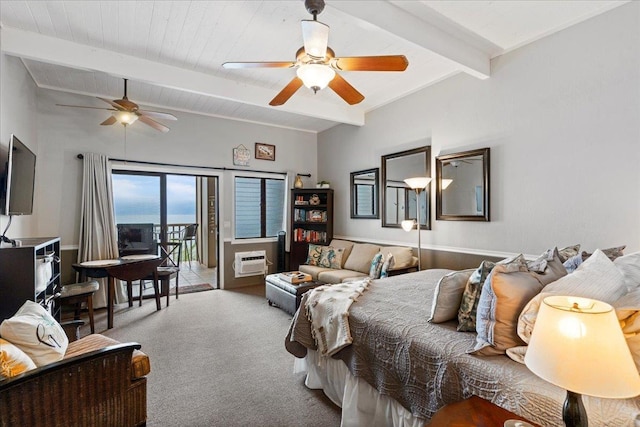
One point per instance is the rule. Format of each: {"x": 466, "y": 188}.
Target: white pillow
{"x": 37, "y": 333}
{"x": 629, "y": 267}
{"x": 13, "y": 361}
{"x": 596, "y": 278}
{"x": 448, "y": 295}
{"x": 628, "y": 313}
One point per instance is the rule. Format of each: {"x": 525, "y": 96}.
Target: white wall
{"x": 562, "y": 119}
{"x": 193, "y": 140}
{"x": 17, "y": 116}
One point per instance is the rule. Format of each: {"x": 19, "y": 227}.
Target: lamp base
{"x": 573, "y": 412}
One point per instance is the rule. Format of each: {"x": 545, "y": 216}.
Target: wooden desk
{"x": 100, "y": 269}
{"x": 473, "y": 412}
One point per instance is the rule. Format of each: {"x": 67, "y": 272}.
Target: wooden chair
{"x": 169, "y": 269}
{"x": 130, "y": 272}
{"x": 189, "y": 238}
{"x": 77, "y": 293}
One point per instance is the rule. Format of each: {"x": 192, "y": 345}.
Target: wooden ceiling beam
{"x": 52, "y": 50}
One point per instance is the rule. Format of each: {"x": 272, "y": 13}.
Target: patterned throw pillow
{"x": 13, "y": 361}
{"x": 471, "y": 296}
{"x": 572, "y": 263}
{"x": 376, "y": 266}
{"x": 330, "y": 257}
{"x": 568, "y": 252}
{"x": 313, "y": 258}
{"x": 387, "y": 265}
{"x": 611, "y": 253}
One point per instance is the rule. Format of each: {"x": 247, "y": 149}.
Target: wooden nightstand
{"x": 473, "y": 412}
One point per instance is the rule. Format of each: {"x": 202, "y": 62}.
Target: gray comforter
{"x": 424, "y": 366}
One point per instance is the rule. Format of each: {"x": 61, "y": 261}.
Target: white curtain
{"x": 98, "y": 233}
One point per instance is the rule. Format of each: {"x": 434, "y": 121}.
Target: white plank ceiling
{"x": 172, "y": 51}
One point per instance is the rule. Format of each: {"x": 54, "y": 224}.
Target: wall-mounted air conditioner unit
{"x": 252, "y": 263}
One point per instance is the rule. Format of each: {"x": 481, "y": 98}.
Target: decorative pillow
{"x": 313, "y": 257}
{"x": 360, "y": 257}
{"x": 376, "y": 266}
{"x": 387, "y": 265}
{"x": 629, "y": 267}
{"x": 471, "y": 296}
{"x": 573, "y": 263}
{"x": 611, "y": 253}
{"x": 402, "y": 255}
{"x": 628, "y": 313}
{"x": 509, "y": 288}
{"x": 568, "y": 252}
{"x": 330, "y": 257}
{"x": 447, "y": 296}
{"x": 13, "y": 361}
{"x": 596, "y": 278}
{"x": 517, "y": 353}
{"x": 36, "y": 333}
{"x": 553, "y": 268}
{"x": 344, "y": 244}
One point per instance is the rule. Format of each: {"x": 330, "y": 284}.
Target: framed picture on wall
{"x": 265, "y": 151}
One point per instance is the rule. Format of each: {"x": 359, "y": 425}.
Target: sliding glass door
{"x": 167, "y": 201}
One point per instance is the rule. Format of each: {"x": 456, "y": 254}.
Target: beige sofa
{"x": 356, "y": 261}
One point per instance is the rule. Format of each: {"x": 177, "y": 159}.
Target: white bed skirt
{"x": 361, "y": 404}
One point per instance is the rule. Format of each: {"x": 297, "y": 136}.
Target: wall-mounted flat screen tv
{"x": 17, "y": 179}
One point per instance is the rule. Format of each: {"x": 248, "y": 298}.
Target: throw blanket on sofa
{"x": 328, "y": 310}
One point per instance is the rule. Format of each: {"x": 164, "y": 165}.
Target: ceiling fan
{"x": 127, "y": 112}
{"x": 316, "y": 62}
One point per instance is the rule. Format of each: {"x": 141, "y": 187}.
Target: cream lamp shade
{"x": 407, "y": 224}
{"x": 418, "y": 183}
{"x": 315, "y": 76}
{"x": 578, "y": 344}
{"x": 124, "y": 117}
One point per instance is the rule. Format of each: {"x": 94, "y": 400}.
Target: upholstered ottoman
{"x": 286, "y": 295}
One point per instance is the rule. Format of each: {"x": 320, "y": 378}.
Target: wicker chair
{"x": 100, "y": 382}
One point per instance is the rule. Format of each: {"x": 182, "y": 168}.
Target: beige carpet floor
{"x": 218, "y": 359}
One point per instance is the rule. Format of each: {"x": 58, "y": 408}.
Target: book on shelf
{"x": 295, "y": 277}
{"x": 310, "y": 236}
{"x": 303, "y": 215}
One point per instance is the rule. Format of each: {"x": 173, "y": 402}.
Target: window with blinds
{"x": 259, "y": 207}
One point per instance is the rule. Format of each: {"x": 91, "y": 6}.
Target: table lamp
{"x": 577, "y": 344}
{"x": 417, "y": 184}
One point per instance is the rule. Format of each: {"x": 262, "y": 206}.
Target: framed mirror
{"x": 364, "y": 194}
{"x": 398, "y": 200}
{"x": 462, "y": 186}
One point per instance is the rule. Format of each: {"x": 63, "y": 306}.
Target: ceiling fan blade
{"x": 112, "y": 103}
{"x": 286, "y": 93}
{"x": 345, "y": 90}
{"x": 158, "y": 115}
{"x": 236, "y": 65}
{"x": 149, "y": 121}
{"x": 111, "y": 120}
{"x": 316, "y": 38}
{"x": 371, "y": 63}
{"x": 83, "y": 106}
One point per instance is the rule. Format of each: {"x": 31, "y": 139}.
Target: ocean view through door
{"x": 174, "y": 206}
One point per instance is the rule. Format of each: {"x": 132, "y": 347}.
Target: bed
{"x": 401, "y": 369}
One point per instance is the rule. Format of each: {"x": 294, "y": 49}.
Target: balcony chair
{"x": 190, "y": 236}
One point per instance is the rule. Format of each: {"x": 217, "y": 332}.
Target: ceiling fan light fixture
{"x": 125, "y": 117}
{"x": 315, "y": 76}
